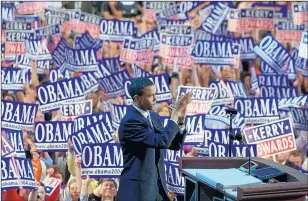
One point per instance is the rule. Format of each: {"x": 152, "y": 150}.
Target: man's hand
{"x": 179, "y": 107}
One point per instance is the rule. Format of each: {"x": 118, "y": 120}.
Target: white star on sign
{"x": 250, "y": 136}
{"x": 270, "y": 14}
{"x": 287, "y": 127}
{"x": 132, "y": 45}
{"x": 87, "y": 108}
{"x": 305, "y": 39}
{"x": 295, "y": 8}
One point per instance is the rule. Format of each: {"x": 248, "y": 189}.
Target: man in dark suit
{"x": 143, "y": 138}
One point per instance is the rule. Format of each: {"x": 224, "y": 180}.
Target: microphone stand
{"x": 249, "y": 156}
{"x": 230, "y": 134}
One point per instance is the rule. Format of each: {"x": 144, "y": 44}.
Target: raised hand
{"x": 179, "y": 107}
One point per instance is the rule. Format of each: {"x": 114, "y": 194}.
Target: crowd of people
{"x": 66, "y": 166}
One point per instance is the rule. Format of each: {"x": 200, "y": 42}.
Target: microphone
{"x": 231, "y": 111}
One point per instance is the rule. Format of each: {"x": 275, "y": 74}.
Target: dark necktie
{"x": 149, "y": 120}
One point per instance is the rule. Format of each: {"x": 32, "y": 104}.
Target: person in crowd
{"x": 141, "y": 145}
{"x": 296, "y": 158}
{"x": 106, "y": 191}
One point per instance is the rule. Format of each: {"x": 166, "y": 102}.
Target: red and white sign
{"x": 32, "y": 7}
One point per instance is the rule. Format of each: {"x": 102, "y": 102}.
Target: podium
{"x": 219, "y": 179}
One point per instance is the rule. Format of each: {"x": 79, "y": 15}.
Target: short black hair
{"x": 137, "y": 86}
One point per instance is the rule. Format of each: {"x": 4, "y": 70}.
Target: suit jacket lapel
{"x": 138, "y": 115}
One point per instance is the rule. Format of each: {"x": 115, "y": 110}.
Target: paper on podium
{"x": 226, "y": 178}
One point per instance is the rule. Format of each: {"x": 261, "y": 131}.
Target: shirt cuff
{"x": 181, "y": 130}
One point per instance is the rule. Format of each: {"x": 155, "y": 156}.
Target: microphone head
{"x": 231, "y": 111}
{"x": 238, "y": 137}
{"x": 232, "y": 136}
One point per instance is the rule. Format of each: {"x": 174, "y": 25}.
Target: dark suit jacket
{"x": 143, "y": 155}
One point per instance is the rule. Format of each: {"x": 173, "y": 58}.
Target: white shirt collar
{"x": 144, "y": 113}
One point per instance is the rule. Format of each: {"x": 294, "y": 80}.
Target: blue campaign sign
{"x": 13, "y": 79}
{"x": 81, "y": 60}
{"x": 17, "y": 115}
{"x": 257, "y": 110}
{"x": 117, "y": 30}
{"x": 273, "y": 53}
{"x": 52, "y": 136}
{"x": 113, "y": 85}
{"x": 117, "y": 113}
{"x": 95, "y": 133}
{"x": 17, "y": 172}
{"x": 102, "y": 159}
{"x": 174, "y": 179}
{"x": 16, "y": 138}
{"x": 51, "y": 96}
{"x": 87, "y": 120}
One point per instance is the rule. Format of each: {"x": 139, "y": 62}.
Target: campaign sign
{"x": 17, "y": 115}
{"x": 81, "y": 60}
{"x": 300, "y": 12}
{"x": 89, "y": 23}
{"x": 216, "y": 149}
{"x": 303, "y": 47}
{"x": 174, "y": 179}
{"x": 204, "y": 35}
{"x": 96, "y": 133}
{"x": 33, "y": 19}
{"x": 202, "y": 99}
{"x": 301, "y": 64}
{"x": 51, "y": 96}
{"x": 300, "y": 117}
{"x": 216, "y": 17}
{"x": 177, "y": 9}
{"x": 55, "y": 75}
{"x": 17, "y": 172}
{"x": 13, "y": 79}
{"x": 87, "y": 120}
{"x": 31, "y": 7}
{"x": 273, "y": 80}
{"x": 273, "y": 53}
{"x": 58, "y": 55}
{"x": 287, "y": 31}
{"x": 54, "y": 19}
{"x": 214, "y": 52}
{"x": 47, "y": 31}
{"x": 117, "y": 113}
{"x": 7, "y": 11}
{"x": 271, "y": 138}
{"x": 278, "y": 92}
{"x": 219, "y": 136}
{"x": 7, "y": 147}
{"x": 201, "y": 16}
{"x": 24, "y": 62}
{"x": 16, "y": 138}
{"x": 258, "y": 110}
{"x": 113, "y": 64}
{"x": 90, "y": 82}
{"x": 292, "y": 102}
{"x": 102, "y": 159}
{"x": 117, "y": 30}
{"x": 254, "y": 79}
{"x": 137, "y": 51}
{"x": 218, "y": 118}
{"x": 252, "y": 18}
{"x": 234, "y": 20}
{"x": 113, "y": 85}
{"x": 176, "y": 29}
{"x": 15, "y": 25}
{"x": 184, "y": 62}
{"x": 153, "y": 35}
{"x": 37, "y": 49}
{"x": 246, "y": 48}
{"x": 161, "y": 83}
{"x": 52, "y": 135}
{"x": 173, "y": 156}
{"x": 280, "y": 11}
{"x": 87, "y": 41}
{"x": 139, "y": 72}
{"x": 69, "y": 111}
{"x": 51, "y": 184}
{"x": 172, "y": 45}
